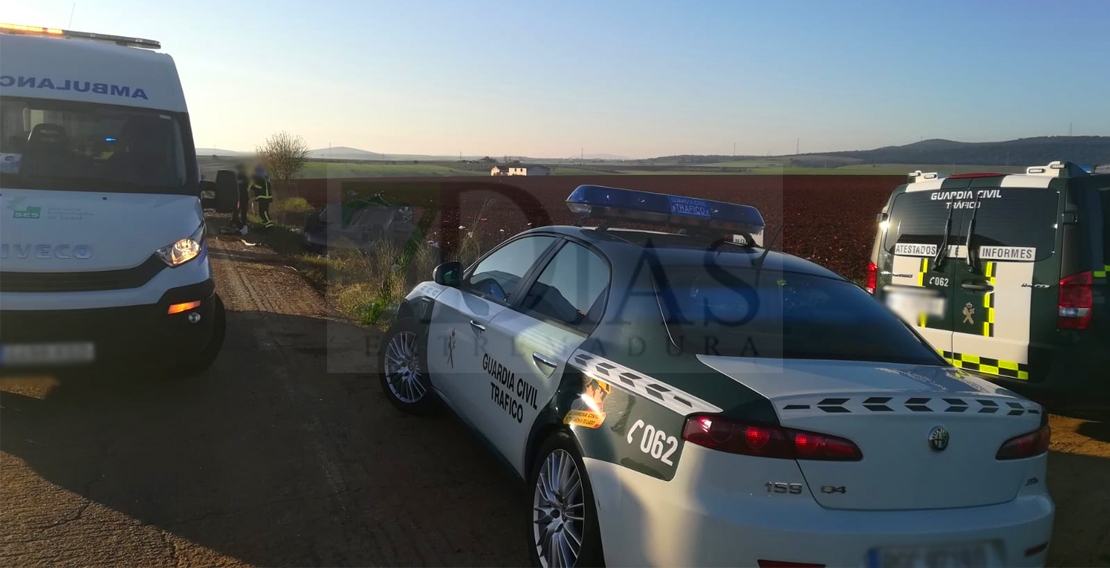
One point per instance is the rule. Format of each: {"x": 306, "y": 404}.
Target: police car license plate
{"x": 911, "y": 305}
{"x": 961, "y": 556}
{"x": 47, "y": 353}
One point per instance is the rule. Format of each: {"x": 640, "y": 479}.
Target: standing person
{"x": 239, "y": 217}
{"x": 263, "y": 195}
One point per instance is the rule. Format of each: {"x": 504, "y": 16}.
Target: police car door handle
{"x": 479, "y": 328}
{"x": 543, "y": 360}
{"x": 977, "y": 285}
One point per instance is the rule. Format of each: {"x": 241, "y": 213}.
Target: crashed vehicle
{"x": 358, "y": 224}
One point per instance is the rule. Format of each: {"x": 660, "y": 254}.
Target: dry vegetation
{"x": 367, "y": 285}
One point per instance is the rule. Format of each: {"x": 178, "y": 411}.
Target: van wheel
{"x": 403, "y": 368}
{"x": 190, "y": 366}
{"x": 562, "y": 519}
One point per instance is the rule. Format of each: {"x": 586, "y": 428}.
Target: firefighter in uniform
{"x": 263, "y": 195}
{"x": 239, "y": 218}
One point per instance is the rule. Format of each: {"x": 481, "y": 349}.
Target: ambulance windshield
{"x": 60, "y": 145}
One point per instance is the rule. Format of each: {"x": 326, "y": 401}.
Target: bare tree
{"x": 284, "y": 155}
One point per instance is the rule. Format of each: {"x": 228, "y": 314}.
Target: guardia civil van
{"x": 684, "y": 398}
{"x": 1005, "y": 275}
{"x": 102, "y": 235}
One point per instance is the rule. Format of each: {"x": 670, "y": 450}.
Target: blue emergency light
{"x": 700, "y": 215}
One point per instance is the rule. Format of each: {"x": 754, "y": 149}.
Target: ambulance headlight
{"x": 183, "y": 250}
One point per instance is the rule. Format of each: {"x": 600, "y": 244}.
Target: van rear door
{"x": 918, "y": 284}
{"x": 1005, "y": 285}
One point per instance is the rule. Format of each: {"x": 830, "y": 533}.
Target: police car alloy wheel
{"x": 402, "y": 367}
{"x": 562, "y": 517}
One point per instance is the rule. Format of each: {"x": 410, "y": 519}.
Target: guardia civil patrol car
{"x": 1005, "y": 275}
{"x": 691, "y": 398}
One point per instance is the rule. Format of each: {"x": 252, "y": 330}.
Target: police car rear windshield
{"x": 60, "y": 145}
{"x": 729, "y": 312}
{"x": 1008, "y": 217}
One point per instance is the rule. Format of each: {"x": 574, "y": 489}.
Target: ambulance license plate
{"x": 961, "y": 556}
{"x": 47, "y": 353}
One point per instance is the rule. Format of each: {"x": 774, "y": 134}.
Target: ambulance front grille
{"x": 81, "y": 281}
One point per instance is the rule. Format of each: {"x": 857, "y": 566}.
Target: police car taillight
{"x": 1026, "y": 446}
{"x": 1076, "y": 301}
{"x": 872, "y": 277}
{"x": 735, "y": 437}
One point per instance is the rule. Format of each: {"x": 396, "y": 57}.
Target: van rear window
{"x": 915, "y": 218}
{"x": 1021, "y": 218}
{"x": 1009, "y": 217}
{"x": 63, "y": 145}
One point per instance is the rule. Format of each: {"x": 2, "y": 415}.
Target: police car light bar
{"x": 55, "y": 32}
{"x": 696, "y": 215}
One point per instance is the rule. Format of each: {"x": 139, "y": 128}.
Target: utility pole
{"x": 1069, "y": 129}
{"x": 798, "y": 147}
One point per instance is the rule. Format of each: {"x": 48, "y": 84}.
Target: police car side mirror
{"x": 448, "y": 274}
{"x": 227, "y": 192}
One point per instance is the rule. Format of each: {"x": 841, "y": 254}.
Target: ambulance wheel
{"x": 403, "y": 368}
{"x": 192, "y": 365}
{"x": 562, "y": 519}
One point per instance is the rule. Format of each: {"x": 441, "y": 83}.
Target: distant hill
{"x": 1021, "y": 152}
{"x": 1083, "y": 150}
{"x": 598, "y": 157}
{"x": 218, "y": 152}
{"x": 344, "y": 153}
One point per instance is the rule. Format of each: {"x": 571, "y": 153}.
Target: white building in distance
{"x": 518, "y": 169}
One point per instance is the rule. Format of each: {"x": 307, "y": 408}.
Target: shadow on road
{"x": 266, "y": 458}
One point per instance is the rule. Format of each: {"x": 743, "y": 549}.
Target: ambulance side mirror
{"x": 227, "y": 192}
{"x": 448, "y": 274}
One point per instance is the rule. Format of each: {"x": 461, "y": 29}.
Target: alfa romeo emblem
{"x": 938, "y": 439}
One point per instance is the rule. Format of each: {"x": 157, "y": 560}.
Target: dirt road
{"x": 270, "y": 459}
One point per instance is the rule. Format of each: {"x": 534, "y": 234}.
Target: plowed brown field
{"x": 827, "y": 219}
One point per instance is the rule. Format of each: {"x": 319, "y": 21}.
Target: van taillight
{"x": 1076, "y": 301}
{"x": 725, "y": 435}
{"x": 1028, "y": 445}
{"x": 872, "y": 277}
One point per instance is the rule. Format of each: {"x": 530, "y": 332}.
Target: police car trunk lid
{"x": 890, "y": 411}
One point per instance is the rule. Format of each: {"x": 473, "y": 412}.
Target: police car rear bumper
{"x": 707, "y": 518}
{"x": 126, "y": 334}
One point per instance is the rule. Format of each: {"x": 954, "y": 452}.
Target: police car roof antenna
{"x": 759, "y": 261}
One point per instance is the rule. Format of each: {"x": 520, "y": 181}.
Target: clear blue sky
{"x": 637, "y": 78}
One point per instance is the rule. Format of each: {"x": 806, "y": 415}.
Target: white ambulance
{"x": 102, "y": 235}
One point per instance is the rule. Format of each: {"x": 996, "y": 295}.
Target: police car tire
{"x": 591, "y": 552}
{"x": 189, "y": 366}
{"x": 427, "y": 403}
